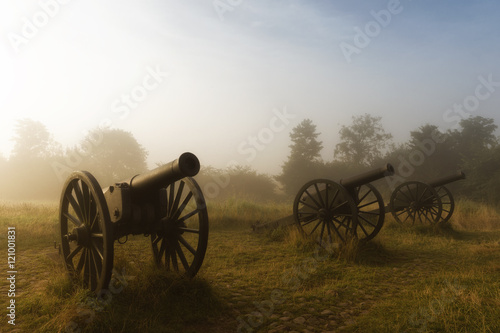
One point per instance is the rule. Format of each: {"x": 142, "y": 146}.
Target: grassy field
{"x": 421, "y": 279}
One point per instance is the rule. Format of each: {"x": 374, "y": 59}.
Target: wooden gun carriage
{"x": 165, "y": 204}
{"x": 423, "y": 202}
{"x": 333, "y": 211}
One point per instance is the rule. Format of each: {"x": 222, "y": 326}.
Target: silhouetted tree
{"x": 305, "y": 144}
{"x": 432, "y": 152}
{"x": 363, "y": 141}
{"x": 28, "y": 174}
{"x": 32, "y": 139}
{"x": 479, "y": 153}
{"x": 111, "y": 155}
{"x": 476, "y": 136}
{"x": 304, "y": 160}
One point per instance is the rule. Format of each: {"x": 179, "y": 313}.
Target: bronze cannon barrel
{"x": 187, "y": 165}
{"x": 448, "y": 179}
{"x": 368, "y": 177}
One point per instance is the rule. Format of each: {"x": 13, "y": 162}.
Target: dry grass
{"x": 406, "y": 279}
{"x": 471, "y": 215}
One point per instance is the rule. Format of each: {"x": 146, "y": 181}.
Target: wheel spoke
{"x": 364, "y": 196}
{"x": 81, "y": 262}
{"x": 366, "y": 220}
{"x": 183, "y": 206}
{"x": 171, "y": 199}
{"x": 86, "y": 202}
{"x": 156, "y": 240}
{"x": 178, "y": 199}
{"x": 363, "y": 229}
{"x": 186, "y": 244}
{"x": 94, "y": 215}
{"x": 313, "y": 200}
{"x": 306, "y": 222}
{"x": 319, "y": 195}
{"x": 81, "y": 201}
{"x": 328, "y": 230}
{"x": 308, "y": 204}
{"x": 189, "y": 215}
{"x": 191, "y": 230}
{"x": 73, "y": 219}
{"x": 315, "y": 227}
{"x": 175, "y": 264}
{"x": 336, "y": 229}
{"x": 73, "y": 253}
{"x": 163, "y": 248}
{"x": 333, "y": 200}
{"x": 75, "y": 206}
{"x": 182, "y": 257}
{"x": 367, "y": 204}
{"x": 341, "y": 223}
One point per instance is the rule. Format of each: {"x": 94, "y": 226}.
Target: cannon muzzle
{"x": 368, "y": 177}
{"x": 187, "y": 165}
{"x": 448, "y": 179}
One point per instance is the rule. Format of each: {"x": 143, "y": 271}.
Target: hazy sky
{"x": 229, "y": 79}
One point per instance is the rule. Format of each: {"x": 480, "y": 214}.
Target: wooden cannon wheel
{"x": 415, "y": 201}
{"x": 447, "y": 201}
{"x": 181, "y": 243}
{"x": 371, "y": 211}
{"x": 325, "y": 211}
{"x": 86, "y": 233}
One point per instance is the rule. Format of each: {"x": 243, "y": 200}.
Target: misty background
{"x": 231, "y": 81}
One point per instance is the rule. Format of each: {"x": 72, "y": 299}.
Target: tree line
{"x": 38, "y": 165}
{"x": 429, "y": 154}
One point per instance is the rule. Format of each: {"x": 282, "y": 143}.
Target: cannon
{"x": 165, "y": 204}
{"x": 333, "y": 211}
{"x": 424, "y": 202}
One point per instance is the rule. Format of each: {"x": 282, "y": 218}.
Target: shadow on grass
{"x": 374, "y": 253}
{"x": 149, "y": 300}
{"x": 160, "y": 301}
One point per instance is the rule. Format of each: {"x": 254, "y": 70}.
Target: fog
{"x": 229, "y": 81}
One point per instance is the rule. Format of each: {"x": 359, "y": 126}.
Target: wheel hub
{"x": 171, "y": 228}
{"x": 81, "y": 235}
{"x": 324, "y": 214}
{"x": 414, "y": 205}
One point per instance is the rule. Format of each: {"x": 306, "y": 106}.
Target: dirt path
{"x": 324, "y": 314}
